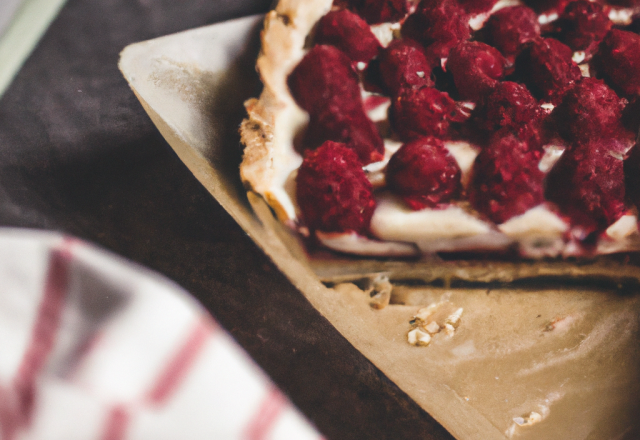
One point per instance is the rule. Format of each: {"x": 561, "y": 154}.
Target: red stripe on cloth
{"x": 10, "y": 419}
{"x": 266, "y": 416}
{"x": 117, "y": 423}
{"x": 18, "y": 401}
{"x": 178, "y": 366}
{"x": 43, "y": 336}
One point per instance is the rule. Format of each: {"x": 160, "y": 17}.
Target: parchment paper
{"x": 564, "y": 352}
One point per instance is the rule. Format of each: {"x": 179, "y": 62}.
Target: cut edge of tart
{"x": 271, "y": 161}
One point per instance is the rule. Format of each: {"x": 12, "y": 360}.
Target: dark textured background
{"x": 79, "y": 155}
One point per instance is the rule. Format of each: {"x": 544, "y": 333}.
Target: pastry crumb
{"x": 432, "y": 327}
{"x": 418, "y": 337}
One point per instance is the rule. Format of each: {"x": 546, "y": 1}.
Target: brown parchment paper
{"x": 559, "y": 339}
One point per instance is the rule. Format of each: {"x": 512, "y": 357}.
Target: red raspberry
{"x": 618, "y": 61}
{"x": 403, "y": 64}
{"x": 590, "y": 110}
{"x": 333, "y": 192}
{"x": 508, "y": 106}
{"x": 508, "y": 29}
{"x": 583, "y": 24}
{"x": 438, "y": 25}
{"x": 354, "y": 129}
{"x": 424, "y": 173}
{"x": 376, "y": 11}
{"x": 477, "y": 6}
{"x": 476, "y": 68}
{"x": 349, "y": 33}
{"x": 325, "y": 85}
{"x": 547, "y": 6}
{"x": 506, "y": 179}
{"x": 421, "y": 112}
{"x": 587, "y": 184}
{"x": 324, "y": 74}
{"x": 546, "y": 67}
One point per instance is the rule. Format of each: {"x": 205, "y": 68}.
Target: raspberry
{"x": 590, "y": 110}
{"x": 333, "y": 192}
{"x": 403, "y": 64}
{"x": 477, "y": 6}
{"x": 424, "y": 173}
{"x": 324, "y": 74}
{"x": 508, "y": 106}
{"x": 349, "y": 33}
{"x": 618, "y": 61}
{"x": 547, "y": 6}
{"x": 508, "y": 29}
{"x": 438, "y": 25}
{"x": 354, "y": 129}
{"x": 506, "y": 180}
{"x": 476, "y": 68}
{"x": 422, "y": 112}
{"x": 546, "y": 67}
{"x": 587, "y": 184}
{"x": 379, "y": 11}
{"x": 583, "y": 24}
{"x": 325, "y": 85}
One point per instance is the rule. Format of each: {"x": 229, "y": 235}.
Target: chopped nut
{"x": 432, "y": 327}
{"x": 424, "y": 313}
{"x": 454, "y": 318}
{"x": 418, "y": 337}
{"x": 437, "y": 316}
{"x": 534, "y": 417}
{"x": 449, "y": 329}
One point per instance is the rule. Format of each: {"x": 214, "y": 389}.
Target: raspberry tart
{"x": 496, "y": 129}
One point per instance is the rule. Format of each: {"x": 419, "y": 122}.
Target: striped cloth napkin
{"x": 94, "y": 347}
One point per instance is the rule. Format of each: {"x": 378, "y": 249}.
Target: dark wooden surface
{"x": 79, "y": 155}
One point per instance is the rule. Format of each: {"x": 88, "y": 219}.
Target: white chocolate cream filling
{"x": 353, "y": 243}
{"x": 433, "y": 230}
{"x": 394, "y": 220}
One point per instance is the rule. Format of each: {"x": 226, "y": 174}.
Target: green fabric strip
{"x": 23, "y": 33}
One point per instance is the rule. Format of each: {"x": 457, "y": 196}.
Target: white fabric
{"x": 95, "y": 347}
